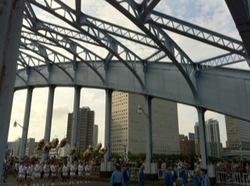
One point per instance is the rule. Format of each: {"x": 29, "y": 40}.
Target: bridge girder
{"x": 217, "y": 87}
{"x": 83, "y": 28}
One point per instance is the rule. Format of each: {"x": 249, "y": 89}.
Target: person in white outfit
{"x": 21, "y": 174}
{"x": 53, "y": 173}
{"x": 46, "y": 170}
{"x": 80, "y": 172}
{"x": 37, "y": 171}
{"x": 29, "y": 172}
{"x": 65, "y": 171}
{"x": 87, "y": 172}
{"x": 72, "y": 173}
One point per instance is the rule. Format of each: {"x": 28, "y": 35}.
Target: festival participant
{"x": 53, "y": 173}
{"x": 46, "y": 170}
{"x": 37, "y": 173}
{"x": 205, "y": 178}
{"x": 65, "y": 172}
{"x": 21, "y": 173}
{"x": 72, "y": 173}
{"x": 117, "y": 177}
{"x": 88, "y": 169}
{"x": 141, "y": 178}
{"x": 184, "y": 175}
{"x": 59, "y": 171}
{"x": 126, "y": 175}
{"x": 175, "y": 175}
{"x": 29, "y": 173}
{"x": 80, "y": 172}
{"x": 197, "y": 179}
{"x": 168, "y": 177}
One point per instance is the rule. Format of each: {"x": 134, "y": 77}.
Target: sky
{"x": 213, "y": 15}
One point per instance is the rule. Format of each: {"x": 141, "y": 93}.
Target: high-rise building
{"x": 237, "y": 133}
{"x": 85, "y": 127}
{"x": 197, "y": 138}
{"x": 129, "y": 129}
{"x": 95, "y": 135}
{"x": 213, "y": 138}
{"x": 191, "y": 136}
{"x": 214, "y": 145}
{"x": 30, "y": 146}
{"x": 187, "y": 145}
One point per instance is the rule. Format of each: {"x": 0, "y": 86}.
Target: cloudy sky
{"x": 213, "y": 15}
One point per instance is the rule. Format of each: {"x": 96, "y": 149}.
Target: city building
{"x": 95, "y": 135}
{"x": 30, "y": 147}
{"x": 187, "y": 144}
{"x": 85, "y": 127}
{"x": 129, "y": 128}
{"x": 238, "y": 133}
{"x": 197, "y": 138}
{"x": 15, "y": 146}
{"x": 214, "y": 145}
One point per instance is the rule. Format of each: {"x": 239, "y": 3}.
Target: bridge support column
{"x": 75, "y": 116}
{"x": 11, "y": 14}
{"x": 107, "y": 166}
{"x": 151, "y": 171}
{"x": 26, "y": 123}
{"x": 203, "y": 138}
{"x": 50, "y": 104}
{"x": 49, "y": 114}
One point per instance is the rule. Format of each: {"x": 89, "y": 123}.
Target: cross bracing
{"x": 196, "y": 32}
{"x": 83, "y": 38}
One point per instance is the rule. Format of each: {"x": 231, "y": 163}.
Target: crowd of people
{"x": 34, "y": 173}
{"x": 121, "y": 177}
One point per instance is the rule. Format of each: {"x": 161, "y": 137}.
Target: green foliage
{"x": 116, "y": 155}
{"x": 173, "y": 157}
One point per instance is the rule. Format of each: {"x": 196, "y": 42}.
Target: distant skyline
{"x": 93, "y": 98}
{"x": 213, "y": 15}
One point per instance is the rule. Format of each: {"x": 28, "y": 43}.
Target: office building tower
{"x": 187, "y": 145}
{"x": 85, "y": 127}
{"x": 214, "y": 145}
{"x": 95, "y": 135}
{"x": 191, "y": 136}
{"x": 30, "y": 147}
{"x": 129, "y": 128}
{"x": 213, "y": 138}
{"x": 238, "y": 133}
{"x": 197, "y": 138}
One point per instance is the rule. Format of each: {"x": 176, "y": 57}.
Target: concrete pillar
{"x": 108, "y": 116}
{"x": 50, "y": 104}
{"x": 11, "y": 13}
{"x": 75, "y": 115}
{"x": 149, "y": 154}
{"x": 26, "y": 123}
{"x": 107, "y": 166}
{"x": 203, "y": 139}
{"x": 150, "y": 167}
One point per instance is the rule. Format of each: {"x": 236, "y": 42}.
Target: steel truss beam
{"x": 141, "y": 37}
{"x": 222, "y": 60}
{"x": 45, "y": 53}
{"x": 198, "y": 33}
{"x": 72, "y": 47}
{"x": 65, "y": 13}
{"x": 24, "y": 57}
{"x": 172, "y": 50}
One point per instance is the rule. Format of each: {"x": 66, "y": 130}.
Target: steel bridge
{"x": 52, "y": 43}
